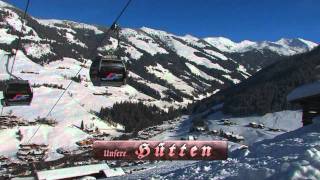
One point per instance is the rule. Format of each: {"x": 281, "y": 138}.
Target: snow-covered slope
{"x": 293, "y": 155}
{"x": 180, "y": 69}
{"x": 290, "y": 153}
{"x": 4, "y": 4}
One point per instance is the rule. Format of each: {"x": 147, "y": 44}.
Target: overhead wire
{"x": 94, "y": 51}
{"x": 18, "y": 44}
{"x": 19, "y": 37}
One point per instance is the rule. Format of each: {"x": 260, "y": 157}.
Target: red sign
{"x": 160, "y": 150}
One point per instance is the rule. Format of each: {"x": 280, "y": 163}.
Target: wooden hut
{"x": 308, "y": 96}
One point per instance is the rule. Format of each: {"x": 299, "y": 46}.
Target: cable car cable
{"x": 19, "y": 37}
{"x": 18, "y": 45}
{"x": 125, "y": 7}
{"x": 94, "y": 51}
{"x": 113, "y": 25}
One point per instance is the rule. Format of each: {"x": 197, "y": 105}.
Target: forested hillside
{"x": 268, "y": 89}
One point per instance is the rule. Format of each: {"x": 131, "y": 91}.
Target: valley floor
{"x": 291, "y": 152}
{"x": 281, "y": 149}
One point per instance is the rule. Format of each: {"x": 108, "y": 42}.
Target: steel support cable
{"x": 18, "y": 44}
{"x": 94, "y": 51}
{"x": 19, "y": 37}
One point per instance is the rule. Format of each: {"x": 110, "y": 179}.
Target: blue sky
{"x": 234, "y": 19}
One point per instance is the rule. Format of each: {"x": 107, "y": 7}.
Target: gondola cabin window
{"x": 17, "y": 92}
{"x": 108, "y": 71}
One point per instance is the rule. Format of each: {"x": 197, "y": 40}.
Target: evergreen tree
{"x": 82, "y": 125}
{"x": 137, "y": 116}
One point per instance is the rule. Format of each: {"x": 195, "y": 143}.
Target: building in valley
{"x": 308, "y": 96}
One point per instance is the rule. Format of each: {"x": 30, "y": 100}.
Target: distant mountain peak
{"x": 283, "y": 46}
{"x": 4, "y": 4}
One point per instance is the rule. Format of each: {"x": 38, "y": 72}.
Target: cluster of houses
{"x": 32, "y": 152}
{"x": 10, "y": 121}
{"x": 149, "y": 133}
{"x": 47, "y": 121}
{"x": 256, "y": 125}
{"x": 227, "y": 122}
{"x": 89, "y": 128}
{"x": 6, "y": 166}
{"x": 86, "y": 144}
{"x": 230, "y": 136}
{"x": 198, "y": 129}
{"x": 262, "y": 126}
{"x": 68, "y": 152}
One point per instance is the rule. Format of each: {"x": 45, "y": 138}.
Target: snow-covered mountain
{"x": 184, "y": 66}
{"x": 165, "y": 70}
{"x": 283, "y": 46}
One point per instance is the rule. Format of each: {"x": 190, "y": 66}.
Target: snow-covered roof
{"x": 114, "y": 172}
{"x": 71, "y": 172}
{"x": 23, "y": 178}
{"x": 304, "y": 91}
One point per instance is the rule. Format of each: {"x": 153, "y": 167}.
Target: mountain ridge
{"x": 166, "y": 71}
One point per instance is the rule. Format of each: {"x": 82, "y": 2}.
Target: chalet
{"x": 255, "y": 125}
{"x": 200, "y": 129}
{"x": 22, "y": 123}
{"x": 3, "y": 158}
{"x": 101, "y": 135}
{"x": 32, "y": 145}
{"x": 308, "y": 96}
{"x": 85, "y": 142}
{"x": 191, "y": 138}
{"x": 236, "y": 138}
{"x": 214, "y": 132}
{"x": 32, "y": 152}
